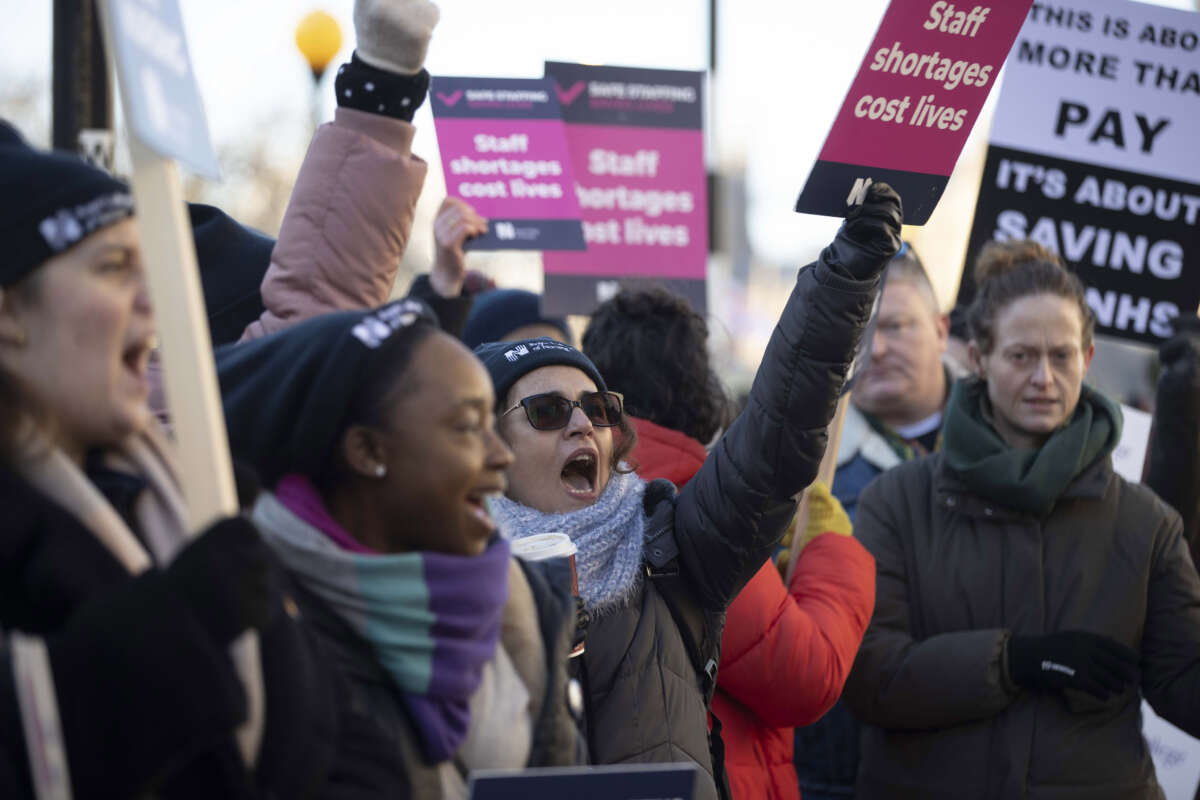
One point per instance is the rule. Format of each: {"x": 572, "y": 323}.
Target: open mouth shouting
{"x": 135, "y": 358}
{"x": 579, "y": 474}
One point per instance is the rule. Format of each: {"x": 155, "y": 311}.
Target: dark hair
{"x": 383, "y": 383}
{"x": 650, "y": 345}
{"x": 1008, "y": 271}
{"x": 624, "y": 440}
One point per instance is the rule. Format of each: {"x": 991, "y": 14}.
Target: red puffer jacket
{"x": 784, "y": 655}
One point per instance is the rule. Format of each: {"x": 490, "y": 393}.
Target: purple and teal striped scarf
{"x": 432, "y": 619}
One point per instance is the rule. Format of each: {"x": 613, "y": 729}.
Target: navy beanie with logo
{"x": 286, "y": 395}
{"x": 499, "y": 312}
{"x": 51, "y": 202}
{"x": 507, "y": 362}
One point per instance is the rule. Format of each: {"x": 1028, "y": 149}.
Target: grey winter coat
{"x": 646, "y": 703}
{"x": 956, "y": 577}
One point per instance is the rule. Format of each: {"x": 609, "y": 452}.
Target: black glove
{"x": 1077, "y": 660}
{"x": 870, "y": 236}
{"x": 141, "y": 688}
{"x": 1182, "y": 351}
{"x": 875, "y": 224}
{"x": 225, "y": 576}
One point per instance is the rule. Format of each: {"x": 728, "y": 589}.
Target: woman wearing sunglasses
{"x": 376, "y": 435}
{"x": 646, "y": 696}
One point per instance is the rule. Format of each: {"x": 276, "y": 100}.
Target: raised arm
{"x": 731, "y": 514}
{"x": 351, "y": 212}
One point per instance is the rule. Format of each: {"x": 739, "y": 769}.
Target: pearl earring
{"x": 380, "y": 470}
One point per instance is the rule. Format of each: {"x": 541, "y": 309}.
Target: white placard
{"x": 1176, "y": 755}
{"x": 1130, "y": 455}
{"x": 1108, "y": 82}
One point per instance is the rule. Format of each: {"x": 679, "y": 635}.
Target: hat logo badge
{"x": 61, "y": 231}
{"x": 516, "y": 352}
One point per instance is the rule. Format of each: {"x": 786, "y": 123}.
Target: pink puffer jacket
{"x": 346, "y": 226}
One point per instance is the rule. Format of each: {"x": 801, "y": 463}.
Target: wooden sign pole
{"x": 197, "y": 421}
{"x": 825, "y": 474}
{"x": 159, "y": 95}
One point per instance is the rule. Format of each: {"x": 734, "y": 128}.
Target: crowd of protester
{"x": 991, "y": 601}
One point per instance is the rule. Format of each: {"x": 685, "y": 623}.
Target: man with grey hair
{"x": 895, "y": 413}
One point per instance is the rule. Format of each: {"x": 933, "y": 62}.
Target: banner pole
{"x": 152, "y": 80}
{"x": 825, "y": 475}
{"x": 197, "y": 421}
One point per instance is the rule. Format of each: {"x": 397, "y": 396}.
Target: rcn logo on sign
{"x": 506, "y": 231}
{"x": 858, "y": 193}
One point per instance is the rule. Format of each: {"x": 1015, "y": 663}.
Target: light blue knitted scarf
{"x": 609, "y": 535}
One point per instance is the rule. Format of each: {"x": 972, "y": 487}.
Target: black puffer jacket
{"x": 147, "y": 702}
{"x": 645, "y": 699}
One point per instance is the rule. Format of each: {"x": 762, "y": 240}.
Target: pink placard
{"x": 644, "y": 202}
{"x": 912, "y": 105}
{"x": 508, "y": 167}
{"x": 504, "y": 151}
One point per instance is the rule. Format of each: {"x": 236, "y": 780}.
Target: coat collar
{"x": 952, "y": 493}
{"x": 859, "y": 438}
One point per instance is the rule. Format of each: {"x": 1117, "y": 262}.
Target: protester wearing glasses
{"x": 375, "y": 433}
{"x": 785, "y": 651}
{"x": 1027, "y": 596}
{"x": 646, "y": 700}
{"x": 116, "y": 678}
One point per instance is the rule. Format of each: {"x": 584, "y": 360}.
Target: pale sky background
{"x": 783, "y": 70}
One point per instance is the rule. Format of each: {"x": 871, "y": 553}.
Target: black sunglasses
{"x": 552, "y": 412}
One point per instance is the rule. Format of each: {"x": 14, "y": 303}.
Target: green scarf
{"x": 1025, "y": 480}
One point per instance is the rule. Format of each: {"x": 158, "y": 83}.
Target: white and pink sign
{"x": 504, "y": 151}
{"x": 913, "y": 103}
{"x": 637, "y": 151}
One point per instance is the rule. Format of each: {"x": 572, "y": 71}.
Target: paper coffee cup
{"x": 545, "y": 546}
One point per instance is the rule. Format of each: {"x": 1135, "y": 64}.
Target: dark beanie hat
{"x": 9, "y": 135}
{"x": 497, "y": 313}
{"x": 506, "y": 362}
{"x": 233, "y": 260}
{"x": 286, "y": 395}
{"x": 49, "y": 202}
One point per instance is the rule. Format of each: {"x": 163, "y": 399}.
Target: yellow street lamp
{"x": 319, "y": 39}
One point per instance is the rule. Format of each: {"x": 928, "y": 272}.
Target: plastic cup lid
{"x": 541, "y": 546}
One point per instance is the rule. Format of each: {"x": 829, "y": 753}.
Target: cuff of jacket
{"x": 1006, "y": 681}
{"x": 452, "y": 312}
{"x": 837, "y": 279}
{"x": 394, "y": 133}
